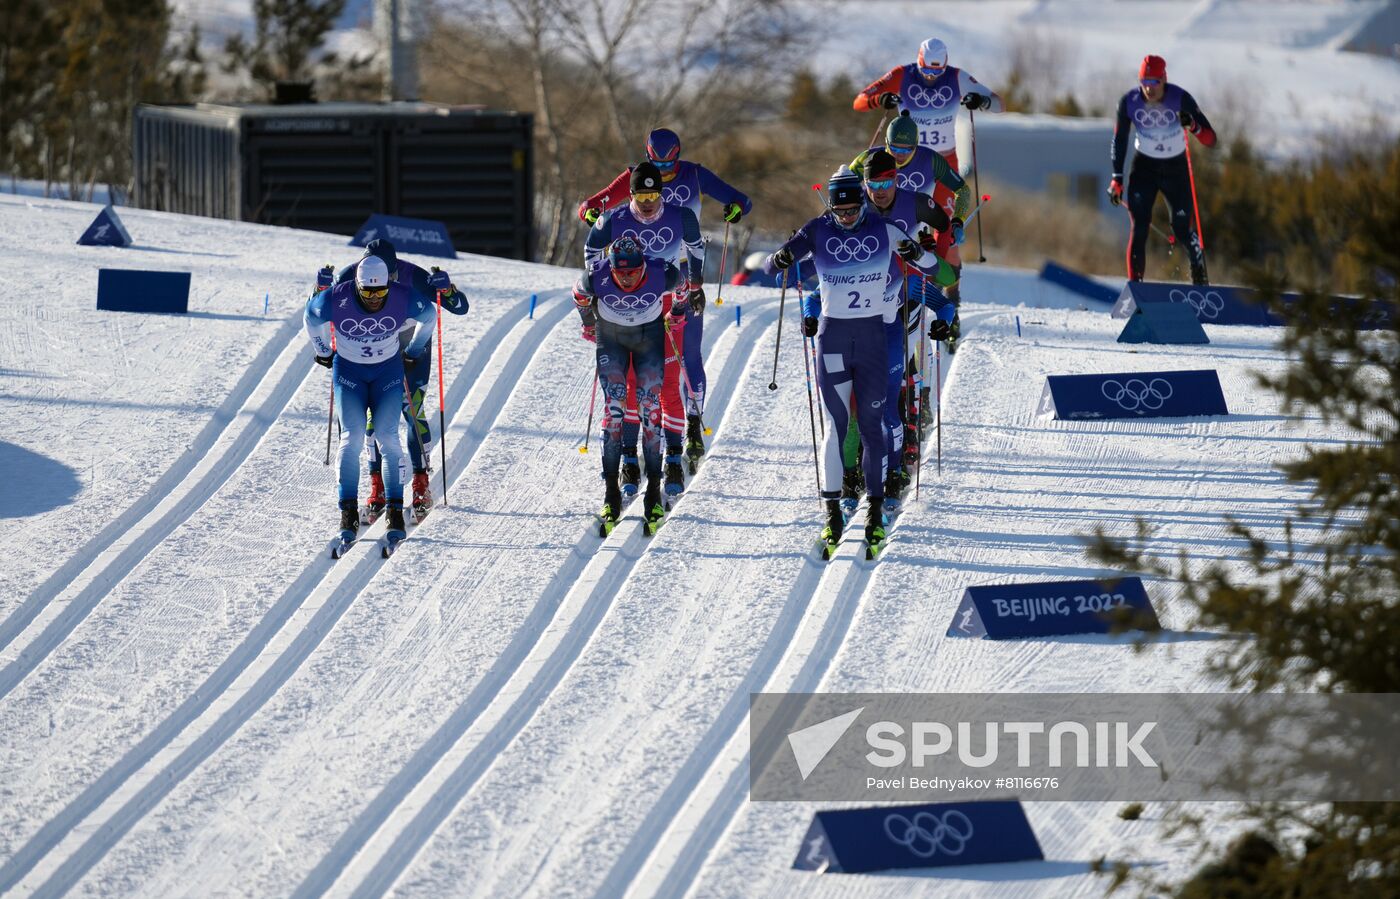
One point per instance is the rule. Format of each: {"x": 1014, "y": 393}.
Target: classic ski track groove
{"x": 270, "y": 653}
{"x": 447, "y": 779}
{"x": 215, "y": 454}
{"x": 668, "y": 849}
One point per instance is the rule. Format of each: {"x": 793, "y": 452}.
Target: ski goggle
{"x": 1151, "y": 82}
{"x": 664, "y": 165}
{"x": 900, "y": 151}
{"x": 881, "y": 184}
{"x": 932, "y": 71}
{"x": 374, "y": 293}
{"x": 647, "y": 196}
{"x": 846, "y": 212}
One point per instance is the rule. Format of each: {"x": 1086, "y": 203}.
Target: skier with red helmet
{"x": 1160, "y": 114}
{"x": 683, "y": 182}
{"x": 930, "y": 90}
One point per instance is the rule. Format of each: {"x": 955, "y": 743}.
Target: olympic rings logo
{"x": 911, "y": 180}
{"x": 1154, "y": 118}
{"x": 630, "y": 302}
{"x": 926, "y": 834}
{"x": 369, "y": 327}
{"x": 655, "y": 241}
{"x": 678, "y": 195}
{"x": 852, "y": 249}
{"x": 1137, "y": 394}
{"x": 1210, "y": 304}
{"x": 925, "y": 98}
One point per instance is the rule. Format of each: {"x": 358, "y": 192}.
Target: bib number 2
{"x": 856, "y": 301}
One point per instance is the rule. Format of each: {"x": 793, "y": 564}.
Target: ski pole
{"x": 331, "y": 417}
{"x": 878, "y": 128}
{"x": 983, "y": 201}
{"x": 812, "y": 417}
{"x": 592, "y": 405}
{"x": 1191, "y": 175}
{"x": 782, "y": 304}
{"x": 938, "y": 401}
{"x": 972, "y": 117}
{"x": 442, "y": 405}
{"x": 723, "y": 260}
{"x": 918, "y": 403}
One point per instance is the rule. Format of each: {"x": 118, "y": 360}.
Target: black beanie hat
{"x": 645, "y": 177}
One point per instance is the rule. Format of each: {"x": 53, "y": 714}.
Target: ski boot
{"x": 396, "y": 532}
{"x": 612, "y": 506}
{"x": 925, "y": 409}
{"x": 654, "y": 511}
{"x": 349, "y": 527}
{"x": 694, "y": 441}
{"x": 895, "y": 483}
{"x": 631, "y": 476}
{"x": 874, "y": 530}
{"x": 374, "y": 506}
{"x": 422, "y": 495}
{"x": 835, "y": 524}
{"x": 852, "y": 487}
{"x": 675, "y": 476}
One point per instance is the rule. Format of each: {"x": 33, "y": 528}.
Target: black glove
{"x": 1186, "y": 120}
{"x": 809, "y": 326}
{"x": 783, "y": 258}
{"x": 1115, "y": 189}
{"x": 887, "y": 100}
{"x": 733, "y": 212}
{"x": 976, "y": 101}
{"x": 908, "y": 250}
{"x": 324, "y": 361}
{"x": 410, "y": 361}
{"x": 939, "y": 330}
{"x": 696, "y": 298}
{"x": 678, "y": 308}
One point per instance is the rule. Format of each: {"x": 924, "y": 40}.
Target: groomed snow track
{"x": 195, "y": 700}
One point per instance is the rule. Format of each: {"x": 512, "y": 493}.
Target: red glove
{"x": 590, "y": 333}
{"x": 1115, "y": 190}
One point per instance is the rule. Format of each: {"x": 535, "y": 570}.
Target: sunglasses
{"x": 900, "y": 151}
{"x": 1151, "y": 82}
{"x": 664, "y": 164}
{"x": 845, "y": 212}
{"x": 882, "y": 184}
{"x": 647, "y": 196}
{"x": 374, "y": 293}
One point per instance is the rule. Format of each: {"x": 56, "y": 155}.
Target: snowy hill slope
{"x": 195, "y": 700}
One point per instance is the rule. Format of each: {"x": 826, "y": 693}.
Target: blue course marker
{"x": 532, "y": 307}
{"x": 1018, "y": 326}
{"x": 738, "y": 311}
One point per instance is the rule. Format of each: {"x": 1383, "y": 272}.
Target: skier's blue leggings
{"x": 360, "y": 389}
{"x": 694, "y": 361}
{"x": 418, "y": 375}
{"x": 894, "y": 352}
{"x": 853, "y": 363}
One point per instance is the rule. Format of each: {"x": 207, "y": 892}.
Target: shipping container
{"x": 329, "y": 166}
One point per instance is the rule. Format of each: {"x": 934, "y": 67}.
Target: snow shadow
{"x": 33, "y": 483}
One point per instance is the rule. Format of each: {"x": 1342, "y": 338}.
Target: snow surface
{"x": 194, "y": 700}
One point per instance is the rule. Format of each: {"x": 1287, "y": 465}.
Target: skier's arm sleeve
{"x": 673, "y": 277}
{"x": 599, "y": 236}
{"x": 858, "y": 164}
{"x": 712, "y": 185}
{"x": 931, "y": 214}
{"x": 694, "y": 246}
{"x": 947, "y": 176}
{"x": 345, "y": 274}
{"x": 890, "y": 82}
{"x": 799, "y": 245}
{"x": 614, "y": 194}
{"x": 928, "y": 263}
{"x": 1119, "y": 147}
{"x": 812, "y": 304}
{"x": 1200, "y": 125}
{"x": 585, "y": 300}
{"x": 425, "y": 314}
{"x": 454, "y": 300}
{"x": 318, "y": 323}
{"x": 969, "y": 85}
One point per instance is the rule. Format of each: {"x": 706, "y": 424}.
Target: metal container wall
{"x": 329, "y": 166}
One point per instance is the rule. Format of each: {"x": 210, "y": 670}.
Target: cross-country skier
{"x": 930, "y": 90}
{"x": 915, "y": 214}
{"x": 367, "y": 365}
{"x": 621, "y": 303}
{"x": 672, "y": 233}
{"x": 1160, "y": 115}
{"x": 427, "y": 286}
{"x": 683, "y": 183}
{"x": 852, "y": 247}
